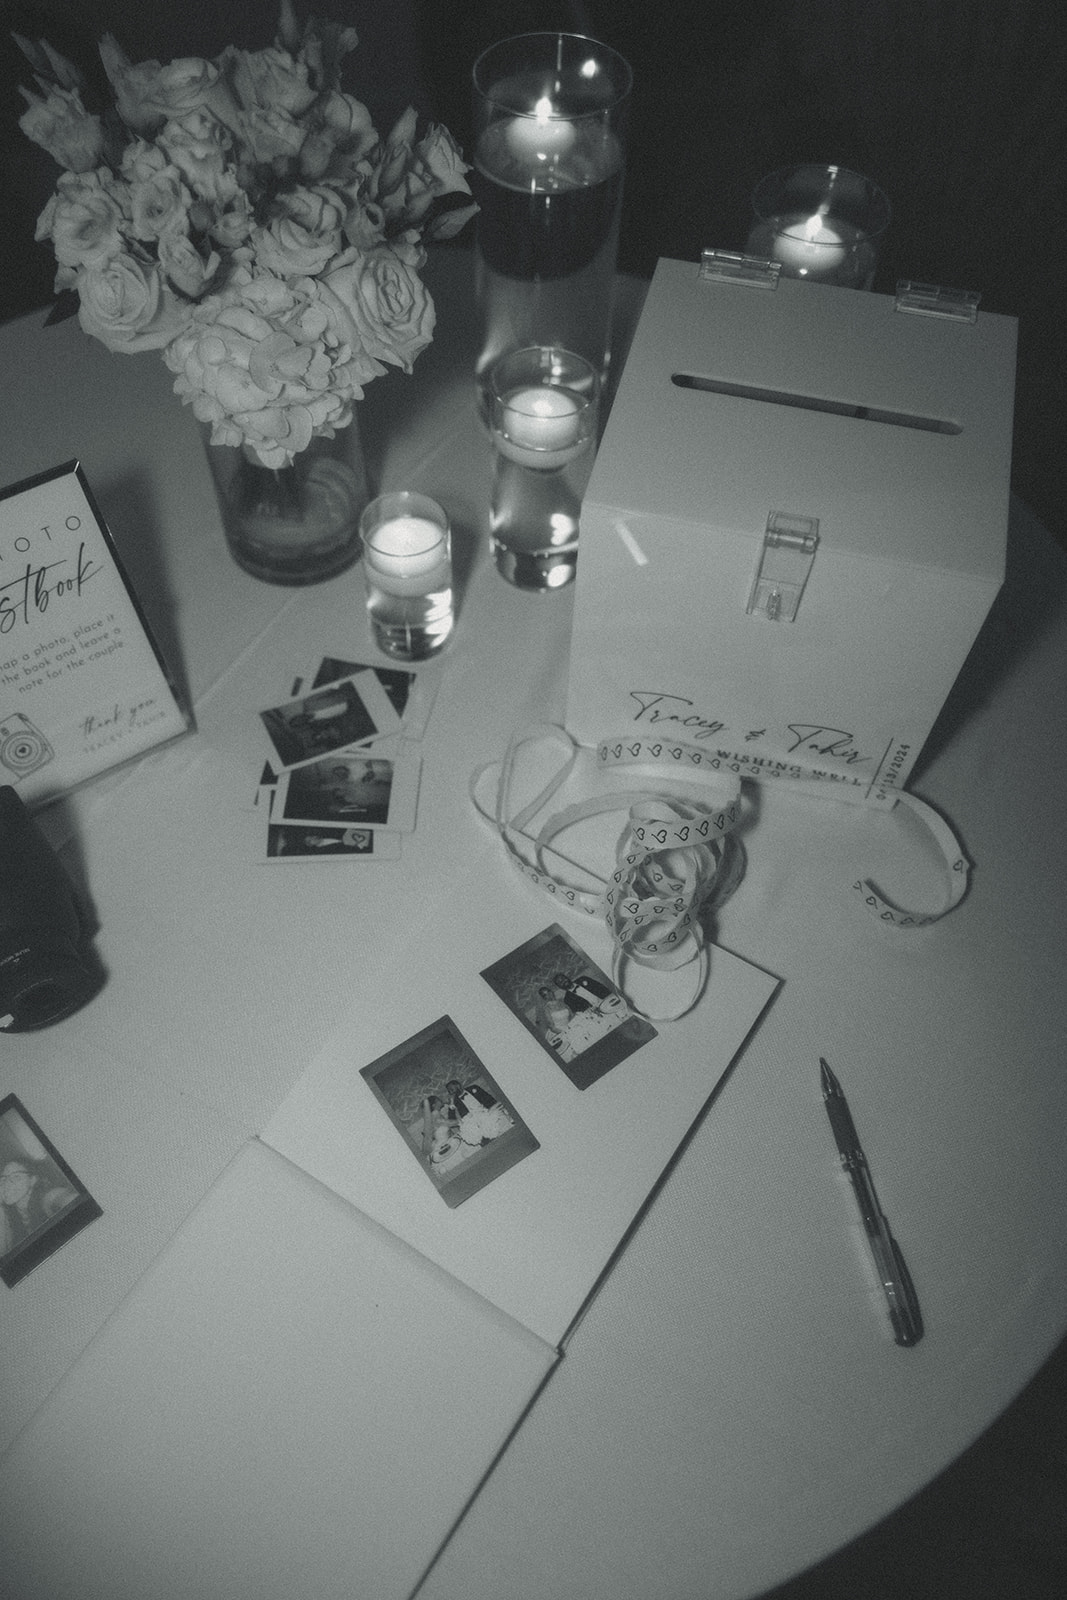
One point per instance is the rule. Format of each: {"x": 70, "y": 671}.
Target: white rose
{"x": 365, "y": 225}
{"x": 199, "y": 145}
{"x": 305, "y": 238}
{"x": 142, "y": 161}
{"x": 159, "y": 205}
{"x": 84, "y": 220}
{"x": 387, "y": 304}
{"x": 350, "y": 123}
{"x": 232, "y": 225}
{"x": 128, "y": 307}
{"x": 150, "y": 94}
{"x": 185, "y": 267}
{"x": 274, "y": 137}
{"x": 339, "y": 134}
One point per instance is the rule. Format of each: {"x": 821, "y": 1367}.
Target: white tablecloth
{"x": 731, "y": 1406}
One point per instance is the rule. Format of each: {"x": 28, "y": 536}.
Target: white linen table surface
{"x": 731, "y": 1407}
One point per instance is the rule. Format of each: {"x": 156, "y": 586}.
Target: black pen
{"x": 904, "y": 1313}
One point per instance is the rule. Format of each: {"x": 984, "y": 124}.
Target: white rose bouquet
{"x": 243, "y": 216}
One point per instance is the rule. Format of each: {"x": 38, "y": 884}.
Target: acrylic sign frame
{"x": 83, "y": 684}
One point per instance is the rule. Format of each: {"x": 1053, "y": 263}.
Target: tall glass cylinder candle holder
{"x": 822, "y": 223}
{"x": 543, "y": 424}
{"x": 550, "y": 113}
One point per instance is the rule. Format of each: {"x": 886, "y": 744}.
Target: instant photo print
{"x": 295, "y": 841}
{"x": 450, "y": 1112}
{"x": 349, "y": 712}
{"x": 572, "y": 1008}
{"x": 410, "y": 693}
{"x": 42, "y": 1202}
{"x": 369, "y": 789}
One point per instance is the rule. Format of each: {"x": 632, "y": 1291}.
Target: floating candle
{"x": 541, "y": 427}
{"x": 541, "y": 137}
{"x": 811, "y": 249}
{"x": 409, "y": 555}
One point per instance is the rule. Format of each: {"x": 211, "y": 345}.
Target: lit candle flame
{"x": 813, "y": 226}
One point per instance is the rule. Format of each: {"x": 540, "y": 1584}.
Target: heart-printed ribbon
{"x": 677, "y": 856}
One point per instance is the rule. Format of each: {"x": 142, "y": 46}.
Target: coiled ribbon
{"x": 678, "y": 855}
{"x": 691, "y": 759}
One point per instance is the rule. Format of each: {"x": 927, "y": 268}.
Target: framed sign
{"x": 82, "y": 684}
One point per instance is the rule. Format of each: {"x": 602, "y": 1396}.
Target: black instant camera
{"x": 44, "y": 974}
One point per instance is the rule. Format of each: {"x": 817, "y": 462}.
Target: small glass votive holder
{"x": 407, "y": 562}
{"x": 543, "y": 405}
{"x": 822, "y": 223}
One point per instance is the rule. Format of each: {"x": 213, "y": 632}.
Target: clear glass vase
{"x": 296, "y": 524}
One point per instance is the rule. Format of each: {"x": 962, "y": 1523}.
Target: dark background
{"x": 958, "y": 108}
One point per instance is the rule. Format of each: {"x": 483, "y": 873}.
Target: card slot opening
{"x": 810, "y": 402}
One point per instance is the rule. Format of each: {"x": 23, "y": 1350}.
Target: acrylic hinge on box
{"x": 730, "y": 266}
{"x": 786, "y": 558}
{"x": 932, "y": 300}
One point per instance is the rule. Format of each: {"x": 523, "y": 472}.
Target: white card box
{"x": 878, "y": 437}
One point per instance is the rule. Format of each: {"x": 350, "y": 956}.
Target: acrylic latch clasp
{"x": 786, "y": 559}
{"x": 933, "y": 300}
{"x": 729, "y": 266}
